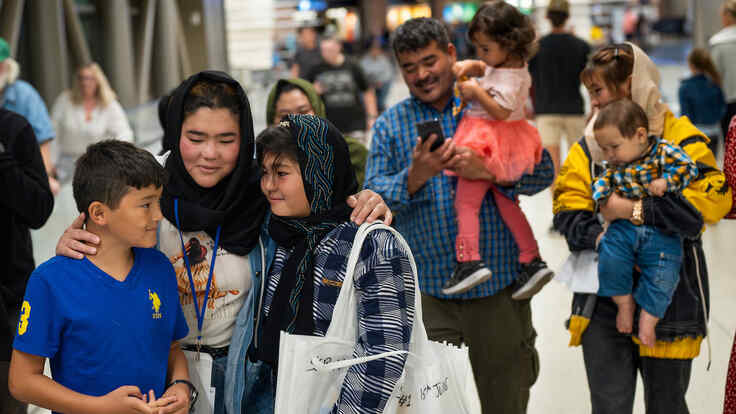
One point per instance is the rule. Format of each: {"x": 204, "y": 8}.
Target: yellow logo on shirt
{"x": 156, "y": 302}
{"x": 25, "y": 313}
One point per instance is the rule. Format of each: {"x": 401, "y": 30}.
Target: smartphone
{"x": 427, "y": 128}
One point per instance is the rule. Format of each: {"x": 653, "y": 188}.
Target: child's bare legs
{"x": 647, "y": 323}
{"x": 625, "y": 315}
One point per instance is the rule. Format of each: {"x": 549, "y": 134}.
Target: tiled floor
{"x": 562, "y": 386}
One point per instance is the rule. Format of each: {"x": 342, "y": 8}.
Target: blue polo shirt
{"x": 98, "y": 332}
{"x": 20, "y": 97}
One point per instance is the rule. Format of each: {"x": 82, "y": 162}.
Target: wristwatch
{"x": 637, "y": 214}
{"x": 192, "y": 390}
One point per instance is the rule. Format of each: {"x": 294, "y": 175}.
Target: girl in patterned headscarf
{"x": 306, "y": 175}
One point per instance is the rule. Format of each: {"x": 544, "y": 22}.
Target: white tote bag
{"x": 437, "y": 377}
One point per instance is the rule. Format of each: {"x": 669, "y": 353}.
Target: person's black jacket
{"x": 26, "y": 204}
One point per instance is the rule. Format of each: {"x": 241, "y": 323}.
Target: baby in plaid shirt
{"x": 638, "y": 166}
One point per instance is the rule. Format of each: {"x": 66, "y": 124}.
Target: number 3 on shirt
{"x": 25, "y": 312}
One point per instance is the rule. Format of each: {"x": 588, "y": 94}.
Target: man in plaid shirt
{"x": 408, "y": 175}
{"x": 641, "y": 165}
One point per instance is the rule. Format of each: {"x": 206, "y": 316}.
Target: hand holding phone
{"x": 427, "y": 128}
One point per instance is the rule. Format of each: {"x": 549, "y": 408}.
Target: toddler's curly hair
{"x": 505, "y": 24}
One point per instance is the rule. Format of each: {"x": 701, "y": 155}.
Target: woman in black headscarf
{"x": 214, "y": 203}
{"x": 306, "y": 176}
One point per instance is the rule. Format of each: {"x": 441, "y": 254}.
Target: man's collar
{"x": 9, "y": 93}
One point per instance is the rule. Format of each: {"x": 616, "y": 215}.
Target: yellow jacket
{"x": 708, "y": 193}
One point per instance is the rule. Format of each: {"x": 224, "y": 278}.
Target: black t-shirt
{"x": 342, "y": 87}
{"x": 307, "y": 59}
{"x": 555, "y": 74}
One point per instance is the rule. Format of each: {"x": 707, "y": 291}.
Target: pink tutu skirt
{"x": 510, "y": 148}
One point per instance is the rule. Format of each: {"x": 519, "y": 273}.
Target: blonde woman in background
{"x": 87, "y": 113}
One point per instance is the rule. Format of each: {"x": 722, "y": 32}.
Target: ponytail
{"x": 700, "y": 60}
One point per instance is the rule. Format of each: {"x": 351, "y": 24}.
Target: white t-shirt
{"x": 231, "y": 281}
{"x": 74, "y": 132}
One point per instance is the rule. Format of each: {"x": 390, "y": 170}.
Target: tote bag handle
{"x": 345, "y": 312}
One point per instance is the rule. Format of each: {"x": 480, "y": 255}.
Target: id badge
{"x": 200, "y": 373}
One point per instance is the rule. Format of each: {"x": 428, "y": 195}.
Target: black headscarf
{"x": 329, "y": 180}
{"x": 236, "y": 202}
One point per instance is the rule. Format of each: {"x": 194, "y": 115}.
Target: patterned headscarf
{"x": 329, "y": 180}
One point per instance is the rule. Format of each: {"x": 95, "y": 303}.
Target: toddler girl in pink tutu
{"x": 494, "y": 126}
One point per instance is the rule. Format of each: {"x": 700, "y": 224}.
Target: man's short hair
{"x": 557, "y": 18}
{"x": 418, "y": 33}
{"x": 107, "y": 170}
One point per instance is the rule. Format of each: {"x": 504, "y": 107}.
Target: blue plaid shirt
{"x": 427, "y": 219}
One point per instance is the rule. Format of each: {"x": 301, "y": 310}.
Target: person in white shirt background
{"x": 87, "y": 113}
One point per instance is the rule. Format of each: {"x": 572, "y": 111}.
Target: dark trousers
{"x": 612, "y": 361}
{"x": 499, "y": 333}
{"x": 8, "y": 404}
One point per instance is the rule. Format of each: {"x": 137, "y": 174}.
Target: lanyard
{"x": 200, "y": 314}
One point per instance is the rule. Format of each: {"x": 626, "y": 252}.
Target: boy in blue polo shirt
{"x": 109, "y": 323}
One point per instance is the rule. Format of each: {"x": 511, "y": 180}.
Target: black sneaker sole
{"x": 473, "y": 280}
{"x": 534, "y": 285}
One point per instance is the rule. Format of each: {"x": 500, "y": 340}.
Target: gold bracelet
{"x": 637, "y": 214}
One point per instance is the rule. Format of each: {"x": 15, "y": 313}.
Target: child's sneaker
{"x": 466, "y": 276}
{"x": 532, "y": 278}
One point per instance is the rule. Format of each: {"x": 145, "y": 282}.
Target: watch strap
{"x": 192, "y": 390}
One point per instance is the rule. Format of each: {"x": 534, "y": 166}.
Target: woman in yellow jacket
{"x": 612, "y": 359}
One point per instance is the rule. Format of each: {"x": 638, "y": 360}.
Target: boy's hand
{"x": 125, "y": 400}
{"x": 174, "y": 401}
{"x": 657, "y": 187}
